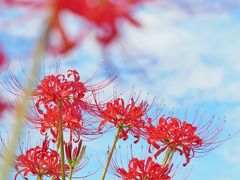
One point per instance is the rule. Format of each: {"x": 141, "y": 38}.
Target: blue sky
{"x": 186, "y": 59}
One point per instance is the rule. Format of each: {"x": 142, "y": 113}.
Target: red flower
{"x": 68, "y": 90}
{"x": 181, "y": 136}
{"x": 48, "y": 121}
{"x": 75, "y": 98}
{"x": 144, "y": 170}
{"x": 39, "y": 161}
{"x": 129, "y": 117}
{"x": 104, "y": 15}
{"x": 54, "y": 88}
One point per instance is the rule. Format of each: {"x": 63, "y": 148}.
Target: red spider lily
{"x": 39, "y": 161}
{"x": 144, "y": 169}
{"x": 68, "y": 90}
{"x": 104, "y": 15}
{"x": 54, "y": 88}
{"x": 182, "y": 136}
{"x": 72, "y": 122}
{"x": 129, "y": 117}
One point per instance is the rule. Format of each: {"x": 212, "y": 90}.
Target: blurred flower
{"x": 103, "y": 15}
{"x": 144, "y": 170}
{"x": 129, "y": 117}
{"x": 39, "y": 161}
{"x": 183, "y": 137}
{"x": 3, "y": 106}
{"x": 2, "y": 58}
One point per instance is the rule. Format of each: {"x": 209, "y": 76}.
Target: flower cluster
{"x": 60, "y": 103}
{"x": 55, "y": 88}
{"x": 168, "y": 135}
{"x": 66, "y": 110}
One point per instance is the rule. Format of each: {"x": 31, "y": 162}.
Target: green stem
{"x": 111, "y": 152}
{"x": 168, "y": 156}
{"x": 39, "y": 177}
{"x": 71, "y": 173}
{"x": 60, "y": 139}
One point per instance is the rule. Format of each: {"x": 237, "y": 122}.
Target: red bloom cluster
{"x": 72, "y": 122}
{"x": 54, "y": 88}
{"x": 129, "y": 117}
{"x": 39, "y": 161}
{"x": 180, "y": 136}
{"x": 74, "y": 98}
{"x": 144, "y": 169}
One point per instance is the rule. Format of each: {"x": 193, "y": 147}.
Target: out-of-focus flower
{"x": 183, "y": 137}
{"x": 103, "y": 15}
{"x": 2, "y": 58}
{"x": 3, "y": 106}
{"x": 129, "y": 117}
{"x": 144, "y": 170}
{"x": 39, "y": 161}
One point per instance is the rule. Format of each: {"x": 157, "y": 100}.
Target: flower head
{"x": 181, "y": 136}
{"x": 48, "y": 122}
{"x": 68, "y": 96}
{"x": 130, "y": 117}
{"x": 39, "y": 161}
{"x": 54, "y": 88}
{"x": 143, "y": 170}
